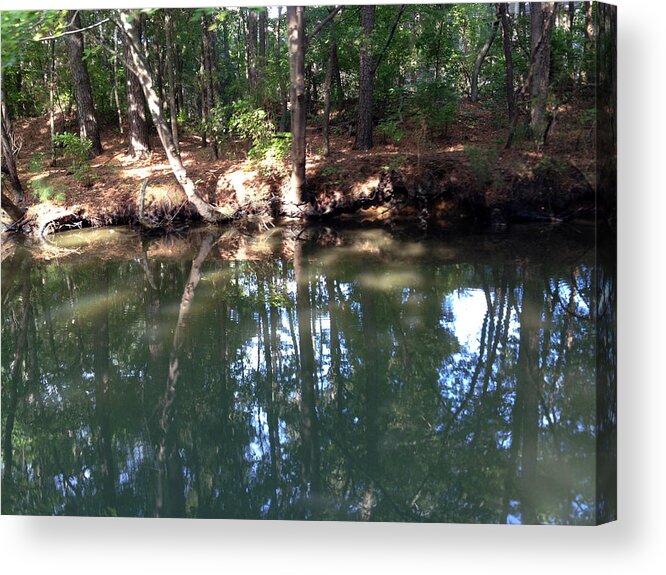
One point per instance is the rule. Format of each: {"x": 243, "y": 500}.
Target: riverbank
{"x": 463, "y": 175}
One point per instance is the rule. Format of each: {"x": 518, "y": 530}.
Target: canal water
{"x": 305, "y": 373}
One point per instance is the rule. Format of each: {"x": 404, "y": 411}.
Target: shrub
{"x": 78, "y": 151}
{"x": 47, "y": 192}
{"x": 482, "y": 161}
{"x": 390, "y": 130}
{"x": 243, "y": 120}
{"x": 434, "y": 104}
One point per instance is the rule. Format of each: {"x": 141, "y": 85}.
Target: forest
{"x": 430, "y": 113}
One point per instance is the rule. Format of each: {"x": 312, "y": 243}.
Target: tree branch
{"x": 323, "y": 23}
{"x": 68, "y": 32}
{"x": 388, "y": 40}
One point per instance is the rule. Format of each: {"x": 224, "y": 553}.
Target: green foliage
{"x": 548, "y": 165}
{"x": 434, "y": 104}
{"x": 240, "y": 119}
{"x": 37, "y": 162}
{"x": 391, "y": 130}
{"x": 245, "y": 121}
{"x": 47, "y": 192}
{"x": 397, "y": 163}
{"x": 482, "y": 161}
{"x": 334, "y": 173}
{"x": 78, "y": 151}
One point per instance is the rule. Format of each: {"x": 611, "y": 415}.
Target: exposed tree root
{"x": 51, "y": 219}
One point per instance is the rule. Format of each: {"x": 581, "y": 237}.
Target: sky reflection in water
{"x": 320, "y": 375}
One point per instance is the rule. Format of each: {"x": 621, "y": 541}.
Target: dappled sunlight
{"x": 89, "y": 306}
{"x": 365, "y": 188}
{"x": 94, "y": 238}
{"x": 417, "y": 359}
{"x": 391, "y": 280}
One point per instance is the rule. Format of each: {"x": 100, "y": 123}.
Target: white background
{"x": 633, "y": 545}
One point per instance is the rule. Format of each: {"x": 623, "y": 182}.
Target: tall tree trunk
{"x": 9, "y": 158}
{"x": 296, "y": 32}
{"x": 508, "y": 59}
{"x": 252, "y": 51}
{"x": 168, "y": 21}
{"x": 85, "y": 105}
{"x": 332, "y": 50}
{"x": 116, "y": 99}
{"x": 202, "y": 92}
{"x": 209, "y": 55}
{"x": 542, "y": 16}
{"x": 140, "y": 63}
{"x": 261, "y": 68}
{"x": 474, "y": 92}
{"x": 52, "y": 100}
{"x": 138, "y": 136}
{"x": 363, "y": 139}
{"x": 337, "y": 81}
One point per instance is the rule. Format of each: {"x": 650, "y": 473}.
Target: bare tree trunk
{"x": 337, "y": 80}
{"x": 116, "y": 99}
{"x": 85, "y": 106}
{"x": 363, "y": 139}
{"x": 542, "y": 16}
{"x": 332, "y": 50}
{"x": 508, "y": 58}
{"x": 209, "y": 48}
{"x": 13, "y": 211}
{"x": 261, "y": 68}
{"x": 168, "y": 21}
{"x": 296, "y": 31}
{"x": 252, "y": 51}
{"x": 138, "y": 137}
{"x": 367, "y": 68}
{"x": 52, "y": 101}
{"x": 203, "y": 98}
{"x": 9, "y": 160}
{"x": 474, "y": 92}
{"x": 207, "y": 211}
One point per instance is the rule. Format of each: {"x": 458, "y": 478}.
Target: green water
{"x": 303, "y": 374}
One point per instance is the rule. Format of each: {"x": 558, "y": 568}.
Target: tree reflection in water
{"x": 276, "y": 377}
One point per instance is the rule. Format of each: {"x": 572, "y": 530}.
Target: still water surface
{"x": 302, "y": 374}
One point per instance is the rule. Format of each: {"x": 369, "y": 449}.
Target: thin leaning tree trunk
{"x": 171, "y": 77}
{"x": 474, "y": 92}
{"x": 206, "y": 210}
{"x": 115, "y": 80}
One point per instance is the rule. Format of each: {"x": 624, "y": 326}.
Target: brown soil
{"x": 465, "y": 171}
